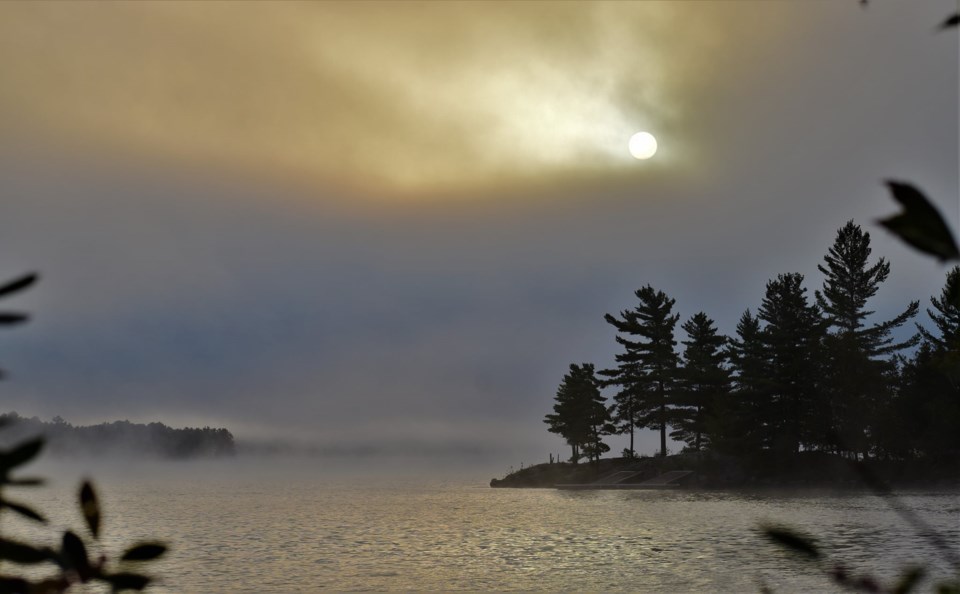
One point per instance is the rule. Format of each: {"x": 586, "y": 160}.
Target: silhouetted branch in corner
{"x": 72, "y": 559}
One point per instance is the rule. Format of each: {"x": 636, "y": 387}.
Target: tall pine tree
{"x": 791, "y": 339}
{"x": 647, "y": 366}
{"x": 745, "y": 422}
{"x": 849, "y": 282}
{"x": 859, "y": 366}
{"x": 702, "y": 382}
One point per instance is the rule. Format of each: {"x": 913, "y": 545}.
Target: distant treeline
{"x": 802, "y": 374}
{"x": 120, "y": 437}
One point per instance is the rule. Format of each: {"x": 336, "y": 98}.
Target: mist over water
{"x": 301, "y": 523}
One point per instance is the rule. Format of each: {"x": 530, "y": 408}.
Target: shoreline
{"x": 805, "y": 470}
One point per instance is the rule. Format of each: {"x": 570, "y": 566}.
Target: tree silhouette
{"x": 929, "y": 399}
{"x": 856, "y": 377}
{"x": 744, "y": 423}
{"x": 791, "y": 338}
{"x": 580, "y": 414}
{"x": 850, "y": 282}
{"x": 647, "y": 367}
{"x": 702, "y": 381}
{"x": 945, "y": 315}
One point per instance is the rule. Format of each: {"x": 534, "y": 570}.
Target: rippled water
{"x": 234, "y": 528}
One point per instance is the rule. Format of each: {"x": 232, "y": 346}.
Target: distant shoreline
{"x": 119, "y": 437}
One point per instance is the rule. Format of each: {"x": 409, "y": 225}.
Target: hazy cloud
{"x": 184, "y": 280}
{"x": 391, "y": 98}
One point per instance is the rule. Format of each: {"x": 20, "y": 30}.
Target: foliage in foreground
{"x": 71, "y": 559}
{"x": 806, "y": 548}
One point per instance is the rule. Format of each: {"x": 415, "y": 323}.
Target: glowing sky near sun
{"x": 385, "y": 97}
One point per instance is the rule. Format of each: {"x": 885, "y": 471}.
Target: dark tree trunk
{"x": 663, "y": 433}
{"x": 663, "y": 422}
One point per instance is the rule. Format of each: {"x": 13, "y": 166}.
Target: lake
{"x": 285, "y": 526}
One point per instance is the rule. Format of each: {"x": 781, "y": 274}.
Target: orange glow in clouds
{"x": 393, "y": 98}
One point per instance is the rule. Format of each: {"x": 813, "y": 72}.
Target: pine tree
{"x": 580, "y": 414}
{"x": 791, "y": 338}
{"x": 744, "y": 422}
{"x": 928, "y": 402}
{"x": 626, "y": 409}
{"x": 945, "y": 345}
{"x": 927, "y": 410}
{"x": 848, "y": 284}
{"x": 648, "y": 364}
{"x": 858, "y": 353}
{"x": 946, "y": 316}
{"x": 702, "y": 382}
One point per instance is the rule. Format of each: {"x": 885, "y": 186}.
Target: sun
{"x": 643, "y": 145}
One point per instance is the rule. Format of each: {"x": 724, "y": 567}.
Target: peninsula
{"x": 714, "y": 471}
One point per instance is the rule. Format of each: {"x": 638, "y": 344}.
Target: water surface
{"x": 241, "y": 527}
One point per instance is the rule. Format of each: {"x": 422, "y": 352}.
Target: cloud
{"x": 388, "y": 98}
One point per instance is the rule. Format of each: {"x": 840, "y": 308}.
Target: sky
{"x": 395, "y": 225}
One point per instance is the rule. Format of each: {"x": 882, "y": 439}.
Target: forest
{"x": 119, "y": 438}
{"x": 803, "y": 373}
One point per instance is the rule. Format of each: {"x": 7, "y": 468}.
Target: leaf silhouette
{"x": 866, "y": 584}
{"x": 919, "y": 224}
{"x": 23, "y": 553}
{"x": 13, "y": 584}
{"x": 90, "y": 507}
{"x": 144, "y": 552}
{"x": 952, "y": 21}
{"x": 21, "y": 454}
{"x": 909, "y": 580}
{"x": 8, "y": 319}
{"x": 23, "y": 510}
{"x": 74, "y": 554}
{"x": 127, "y": 581}
{"x": 19, "y": 284}
{"x": 793, "y": 541}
